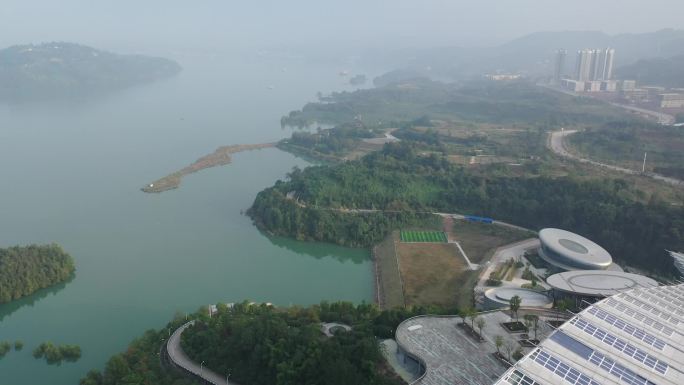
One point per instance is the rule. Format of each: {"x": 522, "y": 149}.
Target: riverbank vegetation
{"x": 24, "y": 270}
{"x": 517, "y": 102}
{"x": 140, "y": 363}
{"x": 477, "y": 122}
{"x": 55, "y": 354}
{"x": 406, "y": 184}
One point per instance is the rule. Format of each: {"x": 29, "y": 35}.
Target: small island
{"x": 57, "y": 70}
{"x": 25, "y": 270}
{"x": 55, "y": 354}
{"x": 220, "y": 157}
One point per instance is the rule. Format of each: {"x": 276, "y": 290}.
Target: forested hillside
{"x": 23, "y": 270}
{"x": 67, "y": 70}
{"x": 665, "y": 72}
{"x": 399, "y": 179}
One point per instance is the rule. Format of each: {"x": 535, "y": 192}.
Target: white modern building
{"x": 678, "y": 261}
{"x": 592, "y": 284}
{"x": 570, "y": 251}
{"x": 633, "y": 338}
{"x": 500, "y": 297}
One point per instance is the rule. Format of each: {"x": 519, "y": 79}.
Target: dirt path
{"x": 220, "y": 157}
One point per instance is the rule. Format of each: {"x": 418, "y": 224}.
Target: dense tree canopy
{"x": 23, "y": 270}
{"x": 260, "y": 345}
{"x": 401, "y": 181}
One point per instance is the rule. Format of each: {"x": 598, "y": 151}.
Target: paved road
{"x": 178, "y": 357}
{"x": 502, "y": 254}
{"x": 661, "y": 117}
{"x": 557, "y": 145}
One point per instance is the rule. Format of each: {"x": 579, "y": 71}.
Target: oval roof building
{"x": 500, "y": 297}
{"x": 596, "y": 283}
{"x": 570, "y": 251}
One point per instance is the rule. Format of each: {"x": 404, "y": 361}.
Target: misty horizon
{"x": 360, "y": 25}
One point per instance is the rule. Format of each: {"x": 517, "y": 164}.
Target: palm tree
{"x": 480, "y": 325}
{"x": 514, "y": 303}
{"x": 473, "y": 316}
{"x": 463, "y": 314}
{"x": 498, "y": 341}
{"x": 532, "y": 321}
{"x": 509, "y": 346}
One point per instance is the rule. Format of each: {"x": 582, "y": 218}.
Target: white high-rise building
{"x": 559, "y": 72}
{"x": 594, "y": 64}
{"x": 603, "y": 67}
{"x": 583, "y": 66}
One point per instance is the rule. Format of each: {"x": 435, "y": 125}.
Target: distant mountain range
{"x": 534, "y": 54}
{"x": 59, "y": 70}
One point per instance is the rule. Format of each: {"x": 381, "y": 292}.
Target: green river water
{"x": 70, "y": 173}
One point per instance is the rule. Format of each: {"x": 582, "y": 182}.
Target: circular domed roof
{"x": 528, "y": 297}
{"x": 571, "y": 251}
{"x": 598, "y": 282}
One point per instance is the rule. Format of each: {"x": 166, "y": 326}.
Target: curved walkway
{"x": 557, "y": 145}
{"x": 179, "y": 359}
{"x": 327, "y": 328}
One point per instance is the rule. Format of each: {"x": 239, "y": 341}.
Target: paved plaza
{"x": 451, "y": 356}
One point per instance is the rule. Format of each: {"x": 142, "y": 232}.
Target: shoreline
{"x": 220, "y": 157}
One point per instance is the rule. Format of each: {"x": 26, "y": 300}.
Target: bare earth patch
{"x": 432, "y": 273}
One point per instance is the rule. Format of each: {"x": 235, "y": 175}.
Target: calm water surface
{"x": 70, "y": 173}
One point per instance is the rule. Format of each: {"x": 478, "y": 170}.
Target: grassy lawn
{"x": 434, "y": 273}
{"x": 479, "y": 240}
{"x": 423, "y": 236}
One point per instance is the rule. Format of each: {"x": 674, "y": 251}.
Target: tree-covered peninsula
{"x": 24, "y": 270}
{"x": 260, "y": 344}
{"x": 66, "y": 70}
{"x": 358, "y": 202}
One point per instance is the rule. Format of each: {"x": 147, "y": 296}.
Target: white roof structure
{"x": 678, "y": 261}
{"x": 570, "y": 251}
{"x": 632, "y": 338}
{"x": 528, "y": 298}
{"x": 598, "y": 283}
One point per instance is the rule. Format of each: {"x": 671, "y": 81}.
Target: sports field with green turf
{"x": 423, "y": 236}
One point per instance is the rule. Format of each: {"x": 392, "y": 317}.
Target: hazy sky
{"x": 265, "y": 22}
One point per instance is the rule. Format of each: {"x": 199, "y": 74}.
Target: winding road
{"x": 557, "y": 145}
{"x": 178, "y": 358}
